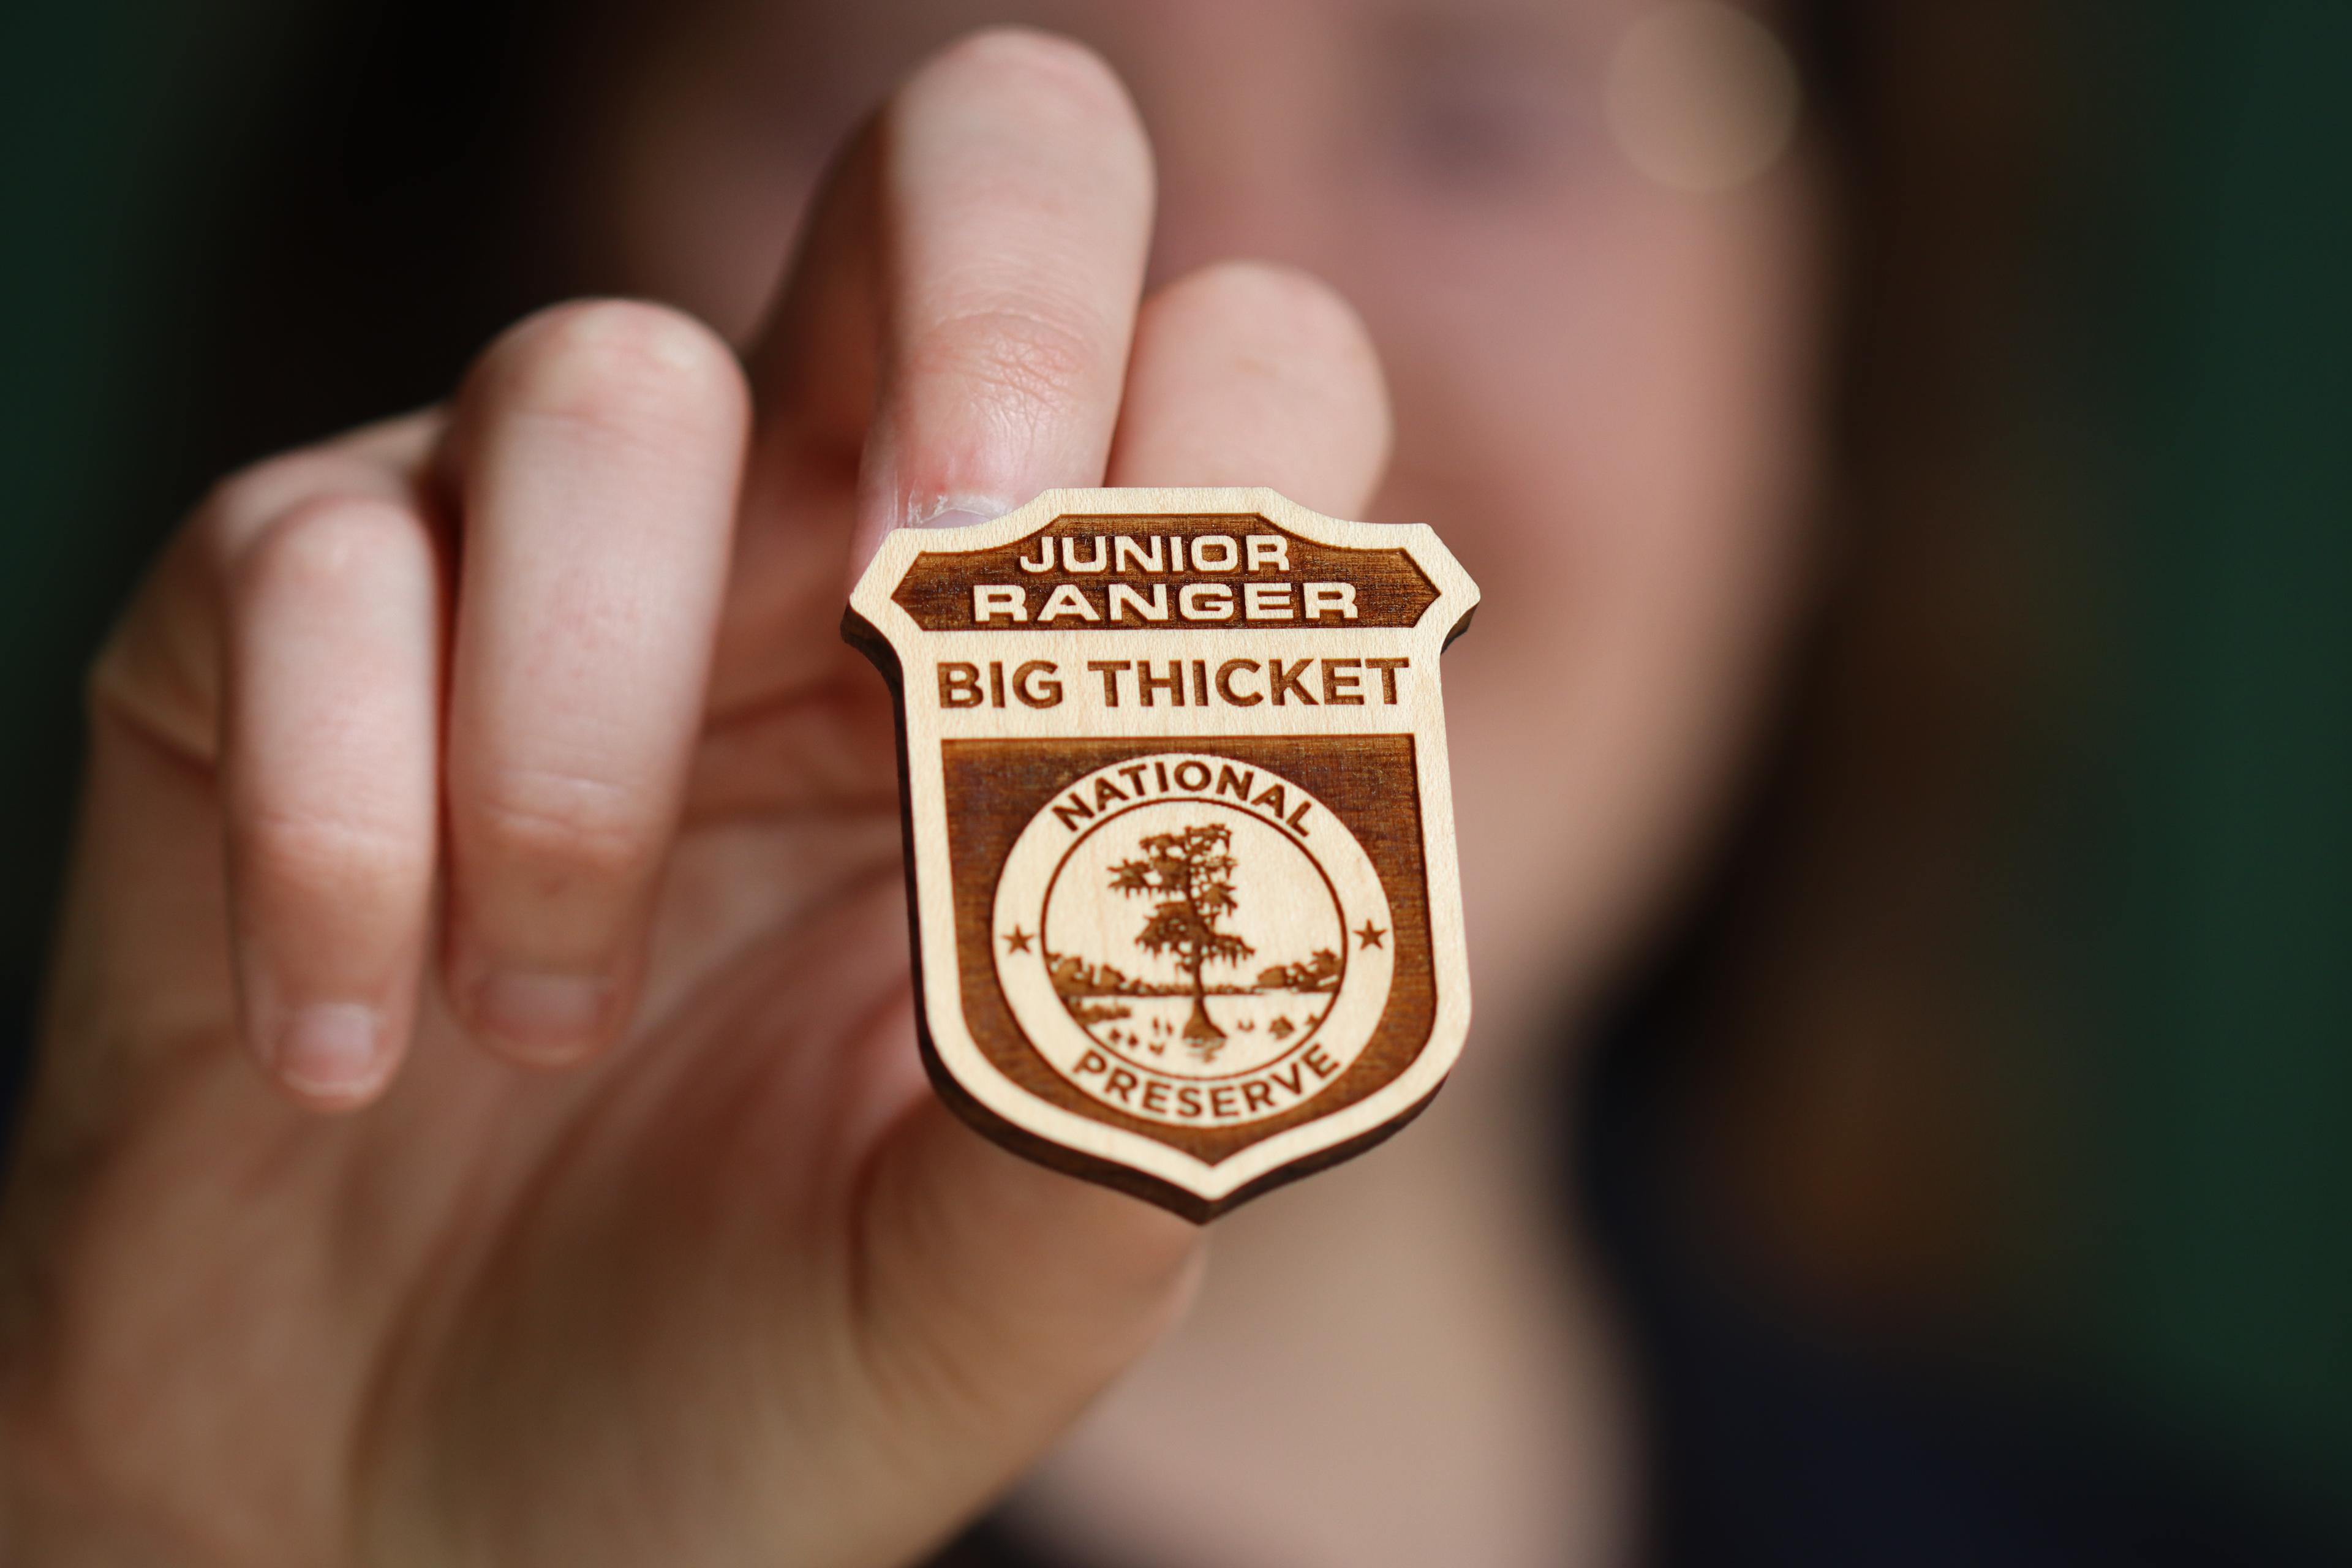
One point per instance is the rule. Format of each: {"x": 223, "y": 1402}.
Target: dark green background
{"x": 2183, "y": 868}
{"x": 2200, "y": 890}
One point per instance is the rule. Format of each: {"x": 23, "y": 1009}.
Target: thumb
{"x": 1003, "y": 1297}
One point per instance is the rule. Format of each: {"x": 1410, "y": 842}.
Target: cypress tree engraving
{"x": 1189, "y": 874}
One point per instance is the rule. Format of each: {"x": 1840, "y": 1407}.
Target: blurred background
{"x": 1970, "y": 1160}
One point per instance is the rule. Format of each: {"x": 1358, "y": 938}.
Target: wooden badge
{"x": 1180, "y": 840}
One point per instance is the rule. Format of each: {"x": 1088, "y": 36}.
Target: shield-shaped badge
{"x": 1180, "y": 836}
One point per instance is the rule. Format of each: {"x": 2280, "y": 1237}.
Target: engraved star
{"x": 1018, "y": 940}
{"x": 1371, "y": 935}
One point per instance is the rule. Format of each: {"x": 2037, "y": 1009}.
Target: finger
{"x": 1245, "y": 373}
{"x": 279, "y": 652}
{"x": 949, "y": 341}
{"x": 977, "y": 263}
{"x": 331, "y": 684}
{"x": 595, "y": 454}
{"x": 1014, "y": 211}
{"x": 159, "y": 672}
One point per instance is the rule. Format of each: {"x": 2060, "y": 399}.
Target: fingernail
{"x": 957, "y": 511}
{"x": 542, "y": 1012}
{"x": 330, "y": 1048}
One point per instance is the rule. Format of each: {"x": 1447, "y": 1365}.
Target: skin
{"x": 1603, "y": 401}
{"x": 493, "y": 780}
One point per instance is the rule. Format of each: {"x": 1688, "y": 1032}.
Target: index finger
{"x": 978, "y": 264}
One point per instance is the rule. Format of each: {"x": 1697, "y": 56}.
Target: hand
{"x": 494, "y": 780}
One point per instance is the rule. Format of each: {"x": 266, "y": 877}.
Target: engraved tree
{"x": 1189, "y": 874}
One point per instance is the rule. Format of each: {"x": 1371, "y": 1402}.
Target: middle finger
{"x": 963, "y": 307}
{"x": 952, "y": 339}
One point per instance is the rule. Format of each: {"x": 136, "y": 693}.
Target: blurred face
{"x": 1600, "y": 381}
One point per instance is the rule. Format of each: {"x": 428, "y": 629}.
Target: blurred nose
{"x": 1218, "y": 208}
{"x": 1218, "y": 201}
{"x": 1240, "y": 133}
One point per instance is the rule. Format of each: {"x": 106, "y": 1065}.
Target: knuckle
{"x": 586, "y": 826}
{"x": 1029, "y": 359}
{"x": 1288, "y": 329}
{"x": 1289, "y": 318}
{"x": 1291, "y": 300}
{"x": 328, "y": 545}
{"x": 248, "y": 501}
{"x": 617, "y": 366}
{"x": 329, "y": 858}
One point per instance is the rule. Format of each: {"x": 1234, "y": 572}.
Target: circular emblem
{"x": 1193, "y": 942}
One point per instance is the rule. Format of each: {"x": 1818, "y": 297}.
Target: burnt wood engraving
{"x": 1181, "y": 866}
{"x": 1206, "y": 571}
